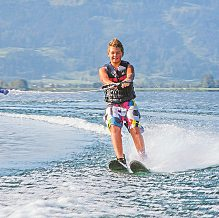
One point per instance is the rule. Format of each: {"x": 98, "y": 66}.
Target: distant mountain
{"x": 67, "y": 39}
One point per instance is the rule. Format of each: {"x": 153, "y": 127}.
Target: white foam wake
{"x": 67, "y": 121}
{"x": 171, "y": 148}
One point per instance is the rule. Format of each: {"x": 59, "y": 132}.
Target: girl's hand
{"x": 126, "y": 83}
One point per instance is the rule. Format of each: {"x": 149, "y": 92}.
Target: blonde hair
{"x": 117, "y": 44}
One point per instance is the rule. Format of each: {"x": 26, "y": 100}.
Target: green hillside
{"x": 67, "y": 39}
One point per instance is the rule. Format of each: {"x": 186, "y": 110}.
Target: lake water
{"x": 55, "y": 149}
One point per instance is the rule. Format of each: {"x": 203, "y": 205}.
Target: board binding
{"x": 117, "y": 166}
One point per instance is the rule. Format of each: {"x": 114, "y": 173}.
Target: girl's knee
{"x": 135, "y": 131}
{"x": 114, "y": 129}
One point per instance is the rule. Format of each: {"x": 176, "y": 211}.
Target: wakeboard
{"x": 138, "y": 167}
{"x": 116, "y": 166}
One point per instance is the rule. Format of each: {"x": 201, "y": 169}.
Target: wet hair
{"x": 117, "y": 44}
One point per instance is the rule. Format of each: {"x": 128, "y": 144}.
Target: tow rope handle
{"x": 112, "y": 85}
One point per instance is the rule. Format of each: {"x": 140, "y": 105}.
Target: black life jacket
{"x": 118, "y": 95}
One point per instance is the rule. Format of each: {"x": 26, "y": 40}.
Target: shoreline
{"x": 179, "y": 89}
{"x": 137, "y": 89}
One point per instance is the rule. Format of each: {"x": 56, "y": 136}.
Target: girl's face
{"x": 115, "y": 55}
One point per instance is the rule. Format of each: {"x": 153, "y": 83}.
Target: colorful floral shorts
{"x": 126, "y": 113}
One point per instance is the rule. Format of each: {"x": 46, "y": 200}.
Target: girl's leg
{"x": 138, "y": 140}
{"x": 116, "y": 137}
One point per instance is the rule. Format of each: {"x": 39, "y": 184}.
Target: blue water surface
{"x": 55, "y": 149}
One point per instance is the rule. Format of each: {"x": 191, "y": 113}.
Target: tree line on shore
{"x": 20, "y": 84}
{"x": 207, "y": 81}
